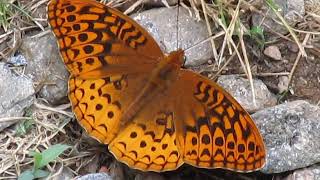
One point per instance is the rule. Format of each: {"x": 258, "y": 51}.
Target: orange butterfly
{"x": 127, "y": 93}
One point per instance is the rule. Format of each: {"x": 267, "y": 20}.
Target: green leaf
{"x": 37, "y": 159}
{"x": 273, "y": 5}
{"x": 51, "y": 154}
{"x": 23, "y": 127}
{"x": 257, "y": 34}
{"x": 257, "y": 30}
{"x": 40, "y": 173}
{"x": 26, "y": 175}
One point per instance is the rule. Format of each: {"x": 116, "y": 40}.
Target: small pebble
{"x": 293, "y": 47}
{"x": 273, "y": 52}
{"x": 283, "y": 83}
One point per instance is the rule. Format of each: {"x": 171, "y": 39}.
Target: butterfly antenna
{"x": 205, "y": 40}
{"x": 178, "y": 25}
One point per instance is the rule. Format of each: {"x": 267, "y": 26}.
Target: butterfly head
{"x": 176, "y": 57}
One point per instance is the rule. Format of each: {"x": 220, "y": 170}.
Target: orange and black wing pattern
{"x": 98, "y": 41}
{"x": 213, "y": 130}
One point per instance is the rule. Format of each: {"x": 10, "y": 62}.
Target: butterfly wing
{"x": 213, "y": 130}
{"x": 97, "y": 41}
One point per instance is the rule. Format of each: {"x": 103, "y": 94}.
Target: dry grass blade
{"x": 165, "y": 2}
{"x": 41, "y": 34}
{"x": 10, "y": 119}
{"x": 41, "y": 106}
{"x": 272, "y": 5}
{"x": 306, "y": 32}
{"x": 37, "y": 4}
{"x": 265, "y": 74}
{"x": 133, "y": 7}
{"x": 206, "y": 40}
{"x": 249, "y": 75}
{"x": 297, "y": 61}
{"x": 228, "y": 40}
{"x": 189, "y": 9}
{"x": 224, "y": 65}
{"x": 214, "y": 49}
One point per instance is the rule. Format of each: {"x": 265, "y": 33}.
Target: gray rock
{"x": 291, "y": 133}
{"x": 46, "y": 67}
{"x": 149, "y": 176}
{"x": 309, "y": 173}
{"x": 161, "y": 2}
{"x": 292, "y": 10}
{"x": 95, "y": 176}
{"x": 18, "y": 60}
{"x": 116, "y": 171}
{"x": 93, "y": 164}
{"x": 240, "y": 89}
{"x": 66, "y": 174}
{"x": 154, "y": 3}
{"x": 16, "y": 94}
{"x": 190, "y": 32}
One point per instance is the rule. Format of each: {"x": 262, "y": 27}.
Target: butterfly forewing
{"x": 96, "y": 40}
{"x": 103, "y": 50}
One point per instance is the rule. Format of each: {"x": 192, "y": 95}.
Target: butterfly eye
{"x": 117, "y": 85}
{"x": 184, "y": 60}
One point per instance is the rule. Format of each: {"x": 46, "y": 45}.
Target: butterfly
{"x": 154, "y": 115}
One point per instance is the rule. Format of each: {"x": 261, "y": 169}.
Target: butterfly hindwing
{"x": 214, "y": 131}
{"x": 148, "y": 142}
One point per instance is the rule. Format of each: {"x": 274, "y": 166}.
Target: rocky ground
{"x": 35, "y": 111}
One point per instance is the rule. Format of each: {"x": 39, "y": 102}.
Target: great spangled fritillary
{"x": 155, "y": 116}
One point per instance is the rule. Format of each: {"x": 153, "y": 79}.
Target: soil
{"x": 305, "y": 84}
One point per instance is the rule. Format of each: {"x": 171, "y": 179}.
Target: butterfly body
{"x": 128, "y": 94}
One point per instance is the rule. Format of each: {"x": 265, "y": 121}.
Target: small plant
{"x": 5, "y": 12}
{"x": 281, "y": 97}
{"x": 256, "y": 33}
{"x": 42, "y": 159}
{"x": 23, "y": 127}
{"x": 223, "y": 14}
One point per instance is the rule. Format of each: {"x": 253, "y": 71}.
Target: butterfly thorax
{"x": 162, "y": 76}
{"x": 166, "y": 71}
